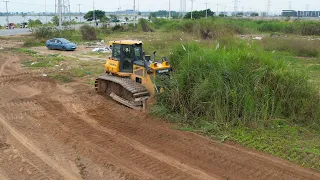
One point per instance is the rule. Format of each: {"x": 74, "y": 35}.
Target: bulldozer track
{"x": 50, "y": 131}
{"x": 122, "y": 90}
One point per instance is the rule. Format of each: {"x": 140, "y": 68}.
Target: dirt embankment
{"x": 52, "y": 131}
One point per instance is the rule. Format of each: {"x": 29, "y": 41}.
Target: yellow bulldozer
{"x": 130, "y": 75}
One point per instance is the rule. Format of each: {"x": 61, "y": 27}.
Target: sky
{"x": 153, "y": 5}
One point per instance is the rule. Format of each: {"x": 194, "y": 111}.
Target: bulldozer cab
{"x": 127, "y": 52}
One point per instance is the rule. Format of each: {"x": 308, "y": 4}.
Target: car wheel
{"x": 64, "y": 48}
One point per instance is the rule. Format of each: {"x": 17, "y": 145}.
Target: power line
{"x": 235, "y": 6}
{"x": 268, "y": 7}
{"x": 183, "y": 7}
{"x": 290, "y": 5}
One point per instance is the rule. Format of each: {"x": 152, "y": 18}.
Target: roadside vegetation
{"x": 263, "y": 94}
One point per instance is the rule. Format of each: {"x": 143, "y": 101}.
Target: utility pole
{"x": 225, "y": 12}
{"x": 235, "y": 7}
{"x": 134, "y": 12}
{"x": 169, "y": 9}
{"x": 268, "y": 7}
{"x": 307, "y": 9}
{"x": 218, "y": 9}
{"x": 94, "y": 14}
{"x": 191, "y": 7}
{"x": 7, "y": 13}
{"x": 60, "y": 13}
{"x": 206, "y": 9}
{"x": 79, "y": 12}
{"x": 45, "y": 8}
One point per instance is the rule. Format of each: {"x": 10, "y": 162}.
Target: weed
{"x": 88, "y": 32}
{"x": 145, "y": 25}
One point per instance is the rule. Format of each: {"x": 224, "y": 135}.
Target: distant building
{"x": 293, "y": 13}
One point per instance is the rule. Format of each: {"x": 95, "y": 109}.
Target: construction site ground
{"x": 50, "y": 130}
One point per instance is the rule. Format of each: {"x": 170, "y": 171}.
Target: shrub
{"x": 45, "y": 32}
{"x": 117, "y": 28}
{"x": 310, "y": 28}
{"x": 88, "y": 32}
{"x": 236, "y": 84}
{"x": 145, "y": 25}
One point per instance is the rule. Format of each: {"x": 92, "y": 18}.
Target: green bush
{"x": 236, "y": 84}
{"x": 310, "y": 28}
{"x": 117, "y": 28}
{"x": 145, "y": 25}
{"x": 45, "y": 32}
{"x": 88, "y": 32}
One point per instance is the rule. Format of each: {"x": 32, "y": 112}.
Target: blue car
{"x": 60, "y": 44}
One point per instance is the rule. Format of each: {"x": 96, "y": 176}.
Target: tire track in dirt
{"x": 3, "y": 176}
{"x": 218, "y": 159}
{"x": 124, "y": 156}
{"x": 31, "y": 147}
{"x": 3, "y": 66}
{"x": 57, "y": 132}
{"x": 152, "y": 153}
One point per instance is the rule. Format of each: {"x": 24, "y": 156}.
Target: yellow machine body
{"x": 131, "y": 77}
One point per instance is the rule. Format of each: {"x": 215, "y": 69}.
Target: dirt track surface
{"x": 52, "y": 131}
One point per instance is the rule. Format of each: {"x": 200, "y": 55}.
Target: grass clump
{"x": 65, "y": 78}
{"x": 280, "y": 138}
{"x": 237, "y": 85}
{"x": 88, "y": 32}
{"x": 34, "y": 42}
{"x": 145, "y": 25}
{"x": 298, "y": 47}
{"x": 40, "y": 61}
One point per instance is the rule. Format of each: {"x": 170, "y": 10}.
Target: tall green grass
{"x": 236, "y": 84}
{"x": 243, "y": 26}
{"x": 296, "y": 46}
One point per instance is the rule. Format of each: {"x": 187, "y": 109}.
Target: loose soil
{"x": 67, "y": 131}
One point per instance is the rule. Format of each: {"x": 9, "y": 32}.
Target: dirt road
{"x": 52, "y": 131}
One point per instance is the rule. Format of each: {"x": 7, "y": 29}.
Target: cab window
{"x": 116, "y": 51}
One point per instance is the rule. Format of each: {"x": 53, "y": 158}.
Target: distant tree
{"x": 239, "y": 14}
{"x": 34, "y": 23}
{"x": 139, "y": 13}
{"x": 55, "y": 20}
{"x": 254, "y": 14}
{"x": 198, "y": 14}
{"x": 126, "y": 18}
{"x": 99, "y": 14}
{"x": 153, "y": 15}
{"x": 113, "y": 17}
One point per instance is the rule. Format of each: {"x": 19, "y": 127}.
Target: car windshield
{"x": 64, "y": 41}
